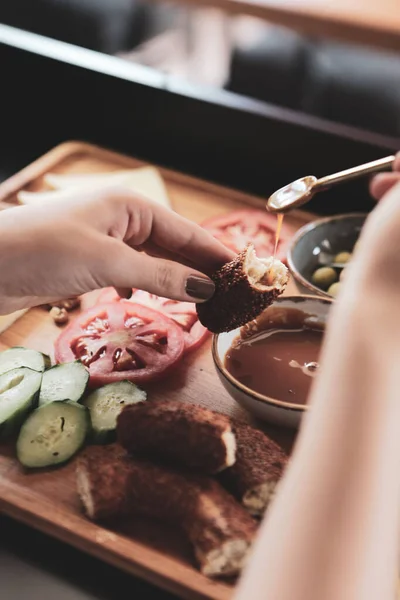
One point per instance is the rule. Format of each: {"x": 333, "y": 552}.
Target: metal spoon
{"x": 302, "y": 190}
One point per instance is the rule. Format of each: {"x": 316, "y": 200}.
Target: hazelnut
{"x": 56, "y": 304}
{"x": 59, "y": 315}
{"x": 71, "y": 303}
{"x": 68, "y": 303}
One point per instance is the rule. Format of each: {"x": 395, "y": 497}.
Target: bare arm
{"x": 332, "y": 532}
{"x": 62, "y": 248}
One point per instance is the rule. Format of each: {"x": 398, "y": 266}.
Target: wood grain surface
{"x": 47, "y": 500}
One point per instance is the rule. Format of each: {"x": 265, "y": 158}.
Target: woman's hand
{"x": 59, "y": 249}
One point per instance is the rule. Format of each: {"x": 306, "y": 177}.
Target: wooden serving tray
{"x": 48, "y": 500}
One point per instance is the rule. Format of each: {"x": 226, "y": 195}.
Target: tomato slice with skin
{"x": 121, "y": 341}
{"x": 183, "y": 313}
{"x": 236, "y": 229}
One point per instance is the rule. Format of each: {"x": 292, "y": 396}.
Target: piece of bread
{"x": 243, "y": 289}
{"x": 111, "y": 483}
{"x": 178, "y": 433}
{"x": 259, "y": 465}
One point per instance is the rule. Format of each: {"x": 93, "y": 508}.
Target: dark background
{"x": 214, "y": 134}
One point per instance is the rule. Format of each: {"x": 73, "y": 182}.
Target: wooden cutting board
{"x": 48, "y": 500}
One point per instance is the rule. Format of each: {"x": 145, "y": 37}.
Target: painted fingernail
{"x": 201, "y": 288}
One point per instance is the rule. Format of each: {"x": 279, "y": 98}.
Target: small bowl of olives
{"x": 320, "y": 251}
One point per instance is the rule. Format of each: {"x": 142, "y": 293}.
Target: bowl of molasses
{"x": 269, "y": 365}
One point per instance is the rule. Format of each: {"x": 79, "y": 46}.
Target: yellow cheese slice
{"x": 146, "y": 181}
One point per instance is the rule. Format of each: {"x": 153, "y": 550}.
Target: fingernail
{"x": 201, "y": 288}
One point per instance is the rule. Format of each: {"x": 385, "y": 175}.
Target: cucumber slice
{"x": 19, "y": 390}
{"x": 17, "y": 357}
{"x": 64, "y": 382}
{"x": 106, "y": 403}
{"x": 52, "y": 434}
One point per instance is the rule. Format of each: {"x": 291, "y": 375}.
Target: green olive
{"x": 334, "y": 289}
{"x": 343, "y": 257}
{"x": 324, "y": 277}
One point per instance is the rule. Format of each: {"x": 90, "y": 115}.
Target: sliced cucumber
{"x": 52, "y": 434}
{"x": 17, "y": 357}
{"x": 106, "y": 403}
{"x": 64, "y": 382}
{"x": 19, "y": 390}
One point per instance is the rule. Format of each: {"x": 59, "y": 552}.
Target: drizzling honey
{"x": 279, "y": 217}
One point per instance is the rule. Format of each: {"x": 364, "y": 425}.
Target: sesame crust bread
{"x": 177, "y": 433}
{"x": 111, "y": 484}
{"x": 259, "y": 465}
{"x": 244, "y": 287}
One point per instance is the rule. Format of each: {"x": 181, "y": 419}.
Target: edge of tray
{"x": 48, "y": 517}
{"x": 66, "y": 149}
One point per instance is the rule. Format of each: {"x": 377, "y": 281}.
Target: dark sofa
{"x": 341, "y": 83}
{"x": 109, "y": 26}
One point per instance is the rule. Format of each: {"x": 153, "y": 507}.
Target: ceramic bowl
{"x": 331, "y": 235}
{"x": 266, "y": 408}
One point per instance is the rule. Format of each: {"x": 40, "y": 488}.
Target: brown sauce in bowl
{"x": 277, "y": 358}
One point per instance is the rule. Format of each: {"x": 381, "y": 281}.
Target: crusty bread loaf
{"x": 178, "y": 433}
{"x": 243, "y": 289}
{"x": 259, "y": 465}
{"x": 113, "y": 484}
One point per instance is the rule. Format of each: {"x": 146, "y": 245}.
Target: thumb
{"x": 123, "y": 267}
{"x": 382, "y": 183}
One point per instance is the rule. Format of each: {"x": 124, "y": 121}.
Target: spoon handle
{"x": 371, "y": 167}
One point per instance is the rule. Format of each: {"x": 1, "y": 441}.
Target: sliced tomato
{"x": 183, "y": 313}
{"x": 121, "y": 340}
{"x": 236, "y": 229}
